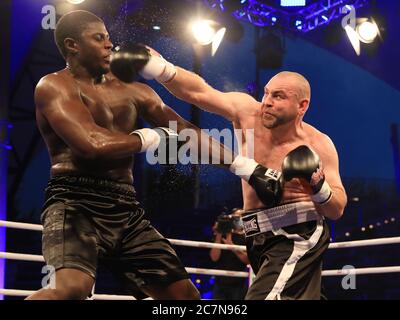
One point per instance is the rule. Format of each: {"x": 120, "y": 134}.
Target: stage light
{"x": 75, "y": 1}
{"x": 157, "y": 28}
{"x": 203, "y": 32}
{"x": 208, "y": 31}
{"x": 353, "y": 37}
{"x": 367, "y": 31}
{"x": 293, "y": 3}
{"x": 219, "y": 36}
{"x": 298, "y": 24}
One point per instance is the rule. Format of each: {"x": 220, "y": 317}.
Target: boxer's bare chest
{"x": 271, "y": 153}
{"x": 111, "y": 106}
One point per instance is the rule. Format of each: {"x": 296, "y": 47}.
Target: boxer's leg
{"x": 71, "y": 284}
{"x": 149, "y": 264}
{"x": 69, "y": 245}
{"x": 178, "y": 290}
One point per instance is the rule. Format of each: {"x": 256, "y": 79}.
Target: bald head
{"x": 295, "y": 83}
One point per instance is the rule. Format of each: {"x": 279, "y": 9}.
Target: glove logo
{"x": 317, "y": 176}
{"x": 273, "y": 174}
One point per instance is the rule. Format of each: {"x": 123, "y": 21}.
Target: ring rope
{"x": 25, "y": 293}
{"x": 203, "y": 244}
{"x": 200, "y": 244}
{"x": 216, "y": 272}
{"x": 212, "y": 272}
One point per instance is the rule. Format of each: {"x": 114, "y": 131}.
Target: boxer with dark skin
{"x": 87, "y": 118}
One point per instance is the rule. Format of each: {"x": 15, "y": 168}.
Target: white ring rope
{"x": 20, "y": 225}
{"x": 359, "y": 271}
{"x": 215, "y": 272}
{"x": 211, "y": 272}
{"x": 200, "y": 244}
{"x": 25, "y": 293}
{"x": 203, "y": 244}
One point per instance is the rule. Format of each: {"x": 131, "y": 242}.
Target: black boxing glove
{"x": 266, "y": 182}
{"x": 134, "y": 60}
{"x": 305, "y": 164}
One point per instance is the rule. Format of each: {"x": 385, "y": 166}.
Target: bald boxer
{"x": 87, "y": 118}
{"x": 286, "y": 242}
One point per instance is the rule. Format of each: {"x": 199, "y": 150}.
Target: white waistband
{"x": 278, "y": 217}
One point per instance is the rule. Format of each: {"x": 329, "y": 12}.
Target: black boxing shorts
{"x": 86, "y": 220}
{"x": 285, "y": 246}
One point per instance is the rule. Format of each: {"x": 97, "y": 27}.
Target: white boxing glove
{"x": 158, "y": 68}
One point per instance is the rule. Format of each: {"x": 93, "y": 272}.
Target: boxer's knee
{"x": 178, "y": 290}
{"x": 72, "y": 284}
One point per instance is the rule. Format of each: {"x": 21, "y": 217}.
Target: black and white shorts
{"x": 287, "y": 261}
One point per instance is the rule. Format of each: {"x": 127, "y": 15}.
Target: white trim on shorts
{"x": 301, "y": 246}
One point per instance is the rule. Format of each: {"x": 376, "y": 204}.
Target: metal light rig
{"x": 301, "y": 19}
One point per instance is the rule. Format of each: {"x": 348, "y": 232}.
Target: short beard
{"x": 276, "y": 122}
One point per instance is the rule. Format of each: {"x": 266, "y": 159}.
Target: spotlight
{"x": 75, "y": 1}
{"x": 208, "y": 31}
{"x": 203, "y": 32}
{"x": 367, "y": 31}
{"x": 293, "y": 3}
{"x": 298, "y": 24}
{"x": 157, "y": 28}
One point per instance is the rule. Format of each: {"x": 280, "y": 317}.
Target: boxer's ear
{"x": 71, "y": 46}
{"x": 303, "y": 106}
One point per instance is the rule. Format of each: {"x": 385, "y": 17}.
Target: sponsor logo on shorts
{"x": 251, "y": 226}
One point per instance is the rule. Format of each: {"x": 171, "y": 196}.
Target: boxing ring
{"x": 210, "y": 272}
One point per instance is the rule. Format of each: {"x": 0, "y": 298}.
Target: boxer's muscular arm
{"x": 334, "y": 208}
{"x": 159, "y": 114}
{"x": 59, "y": 103}
{"x": 191, "y": 88}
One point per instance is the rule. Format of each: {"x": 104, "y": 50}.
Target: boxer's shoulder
{"x": 319, "y": 141}
{"x": 314, "y": 134}
{"x": 58, "y": 78}
{"x": 54, "y": 85}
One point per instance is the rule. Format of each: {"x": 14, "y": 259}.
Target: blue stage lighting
{"x": 293, "y": 3}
